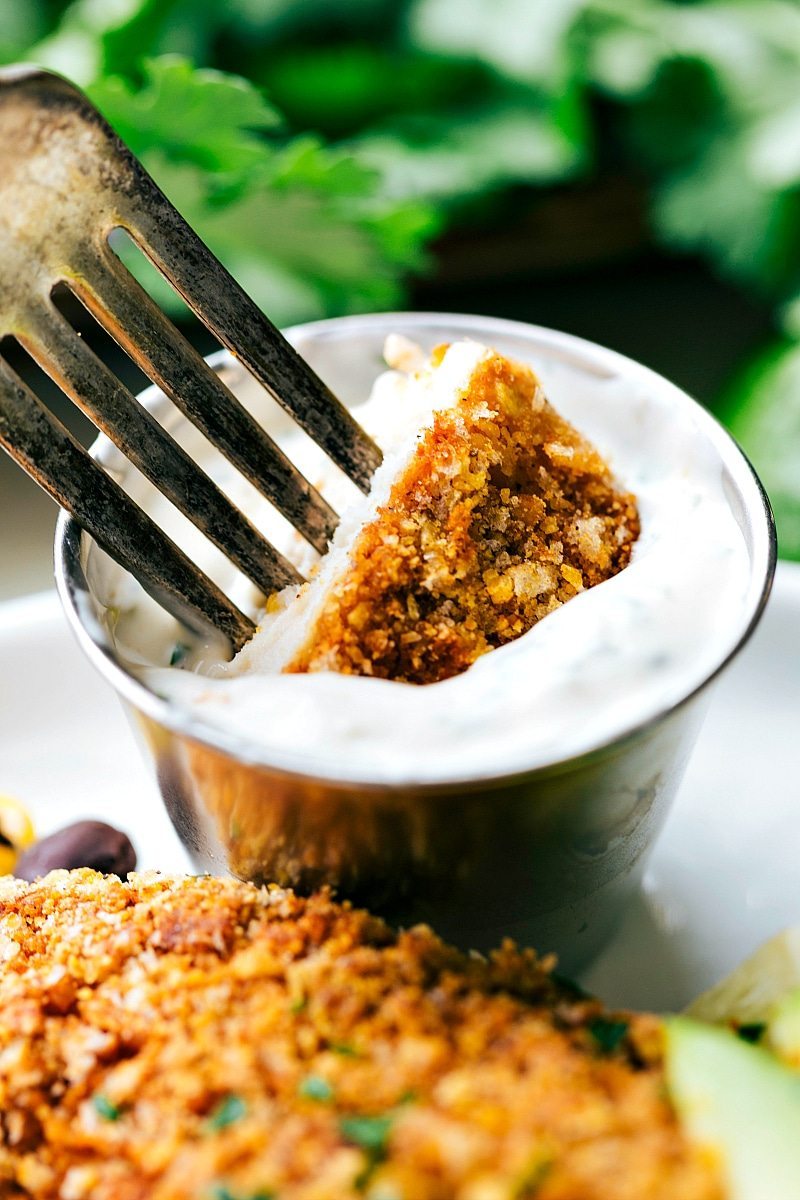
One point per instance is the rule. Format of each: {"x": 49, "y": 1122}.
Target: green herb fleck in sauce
{"x": 179, "y": 652}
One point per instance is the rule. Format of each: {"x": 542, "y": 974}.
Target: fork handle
{"x": 59, "y": 464}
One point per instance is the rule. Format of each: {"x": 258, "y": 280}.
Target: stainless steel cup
{"x": 548, "y": 856}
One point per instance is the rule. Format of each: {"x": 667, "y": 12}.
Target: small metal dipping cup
{"x": 547, "y": 856}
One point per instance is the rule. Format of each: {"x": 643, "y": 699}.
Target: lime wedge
{"x": 748, "y": 995}
{"x": 783, "y": 1030}
{"x": 739, "y": 1103}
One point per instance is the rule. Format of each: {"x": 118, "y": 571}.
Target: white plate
{"x": 724, "y": 875}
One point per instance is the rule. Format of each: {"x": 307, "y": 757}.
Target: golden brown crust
{"x": 198, "y": 1039}
{"x": 504, "y": 513}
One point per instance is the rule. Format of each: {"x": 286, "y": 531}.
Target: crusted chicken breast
{"x": 203, "y": 1039}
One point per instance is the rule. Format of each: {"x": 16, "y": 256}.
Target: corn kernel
{"x": 572, "y": 576}
{"x": 16, "y": 832}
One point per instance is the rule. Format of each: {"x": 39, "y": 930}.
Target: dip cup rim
{"x": 77, "y": 598}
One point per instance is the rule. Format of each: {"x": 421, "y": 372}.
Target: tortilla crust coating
{"x": 201, "y": 1039}
{"x": 504, "y": 513}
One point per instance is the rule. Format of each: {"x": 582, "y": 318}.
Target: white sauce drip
{"x": 611, "y": 658}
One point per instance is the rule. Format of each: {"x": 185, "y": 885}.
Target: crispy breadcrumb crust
{"x": 504, "y": 513}
{"x": 200, "y": 1039}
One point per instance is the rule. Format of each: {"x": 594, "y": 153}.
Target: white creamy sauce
{"x": 605, "y": 662}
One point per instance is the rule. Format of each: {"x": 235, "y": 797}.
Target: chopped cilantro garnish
{"x": 231, "y": 1109}
{"x": 105, "y": 1108}
{"x": 608, "y": 1034}
{"x": 314, "y": 1087}
{"x": 345, "y": 1049}
{"x": 752, "y": 1032}
{"x": 532, "y": 1179}
{"x": 221, "y": 1192}
{"x": 371, "y": 1134}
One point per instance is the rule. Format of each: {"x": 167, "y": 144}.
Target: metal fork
{"x": 66, "y": 183}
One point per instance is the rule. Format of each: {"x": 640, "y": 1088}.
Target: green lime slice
{"x": 739, "y": 1103}
{"x": 749, "y": 994}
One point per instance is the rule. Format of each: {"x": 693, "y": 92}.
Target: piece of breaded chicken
{"x": 200, "y": 1039}
{"x": 503, "y": 512}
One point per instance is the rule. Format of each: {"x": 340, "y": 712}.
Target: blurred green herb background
{"x": 335, "y": 152}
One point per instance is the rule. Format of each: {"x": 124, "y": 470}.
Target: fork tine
{"x": 124, "y": 308}
{"x": 102, "y": 183}
{"x": 53, "y": 343}
{"x": 216, "y": 298}
{"x": 45, "y": 449}
{"x": 59, "y": 156}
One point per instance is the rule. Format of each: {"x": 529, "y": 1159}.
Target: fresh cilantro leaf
{"x": 526, "y": 40}
{"x": 21, "y": 26}
{"x": 448, "y": 108}
{"x": 712, "y": 95}
{"x": 790, "y": 317}
{"x": 294, "y": 249}
{"x": 717, "y": 207}
{"x": 456, "y": 158}
{"x": 762, "y": 411}
{"x": 307, "y": 230}
{"x": 284, "y": 19}
{"x": 189, "y": 115}
{"x": 96, "y": 39}
{"x": 340, "y": 89}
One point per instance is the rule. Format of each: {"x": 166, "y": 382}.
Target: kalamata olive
{"x": 84, "y": 844}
